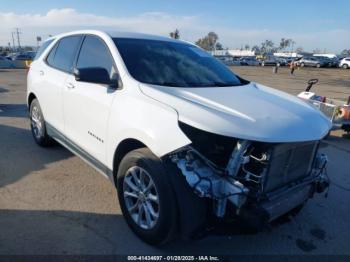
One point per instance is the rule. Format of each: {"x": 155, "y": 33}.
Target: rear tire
{"x": 38, "y": 126}
{"x": 150, "y": 213}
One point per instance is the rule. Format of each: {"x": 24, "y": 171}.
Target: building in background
{"x": 287, "y": 54}
{"x": 233, "y": 53}
{"x": 326, "y": 55}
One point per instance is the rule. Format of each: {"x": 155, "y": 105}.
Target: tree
{"x": 209, "y": 42}
{"x": 175, "y": 34}
{"x": 299, "y": 49}
{"x": 285, "y": 43}
{"x": 218, "y": 46}
{"x": 246, "y": 47}
{"x": 316, "y": 51}
{"x": 345, "y": 52}
{"x": 256, "y": 49}
{"x": 28, "y": 48}
{"x": 267, "y": 47}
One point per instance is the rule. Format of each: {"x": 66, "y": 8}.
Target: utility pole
{"x": 18, "y": 38}
{"x": 13, "y": 42}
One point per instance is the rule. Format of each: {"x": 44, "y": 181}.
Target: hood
{"x": 252, "y": 112}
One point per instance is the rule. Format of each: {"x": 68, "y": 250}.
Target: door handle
{"x": 70, "y": 86}
{"x": 41, "y": 72}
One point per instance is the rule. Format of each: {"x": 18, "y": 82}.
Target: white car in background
{"x": 345, "y": 63}
{"x": 179, "y": 134}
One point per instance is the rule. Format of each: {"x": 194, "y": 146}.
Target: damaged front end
{"x": 253, "y": 177}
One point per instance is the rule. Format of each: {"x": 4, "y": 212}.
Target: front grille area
{"x": 289, "y": 162}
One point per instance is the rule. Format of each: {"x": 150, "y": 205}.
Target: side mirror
{"x": 97, "y": 75}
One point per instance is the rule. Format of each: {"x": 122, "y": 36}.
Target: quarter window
{"x": 94, "y": 53}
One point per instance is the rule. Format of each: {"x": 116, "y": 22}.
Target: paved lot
{"x": 51, "y": 202}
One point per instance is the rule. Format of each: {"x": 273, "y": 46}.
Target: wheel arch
{"x": 30, "y": 99}
{"x": 124, "y": 147}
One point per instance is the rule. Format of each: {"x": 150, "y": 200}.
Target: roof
{"x": 117, "y": 34}
{"x": 139, "y": 36}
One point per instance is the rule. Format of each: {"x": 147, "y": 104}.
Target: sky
{"x": 312, "y": 24}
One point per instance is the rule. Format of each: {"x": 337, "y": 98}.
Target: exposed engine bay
{"x": 271, "y": 177}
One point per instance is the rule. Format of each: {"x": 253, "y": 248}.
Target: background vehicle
{"x": 330, "y": 62}
{"x": 312, "y": 61}
{"x": 5, "y": 63}
{"x": 229, "y": 60}
{"x": 249, "y": 61}
{"x": 173, "y": 128}
{"x": 345, "y": 63}
{"x": 22, "y": 57}
{"x": 271, "y": 61}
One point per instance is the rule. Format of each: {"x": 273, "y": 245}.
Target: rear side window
{"x": 43, "y": 48}
{"x": 63, "y": 54}
{"x": 95, "y": 53}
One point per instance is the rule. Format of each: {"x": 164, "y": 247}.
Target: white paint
{"x": 150, "y": 114}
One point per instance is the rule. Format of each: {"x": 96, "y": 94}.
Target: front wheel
{"x": 302, "y": 64}
{"x": 146, "y": 197}
{"x": 38, "y": 126}
{"x": 345, "y": 66}
{"x": 318, "y": 65}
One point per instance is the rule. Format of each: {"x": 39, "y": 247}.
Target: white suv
{"x": 183, "y": 138}
{"x": 345, "y": 63}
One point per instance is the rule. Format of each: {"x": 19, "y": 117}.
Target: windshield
{"x": 173, "y": 64}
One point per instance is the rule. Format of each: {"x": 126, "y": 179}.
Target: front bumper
{"x": 277, "y": 203}
{"x": 282, "y": 204}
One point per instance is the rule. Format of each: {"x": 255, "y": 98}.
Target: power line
{"x": 13, "y": 41}
{"x": 18, "y": 38}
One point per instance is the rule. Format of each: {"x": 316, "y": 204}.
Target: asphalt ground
{"x": 51, "y": 202}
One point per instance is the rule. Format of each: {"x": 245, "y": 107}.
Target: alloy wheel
{"x": 36, "y": 122}
{"x": 141, "y": 197}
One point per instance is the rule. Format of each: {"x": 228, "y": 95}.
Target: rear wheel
{"x": 146, "y": 197}
{"x": 38, "y": 126}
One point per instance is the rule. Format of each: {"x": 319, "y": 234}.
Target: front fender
{"x": 142, "y": 118}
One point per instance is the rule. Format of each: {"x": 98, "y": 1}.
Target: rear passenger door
{"x": 87, "y": 105}
{"x": 52, "y": 76}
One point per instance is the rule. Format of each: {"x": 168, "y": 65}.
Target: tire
{"x": 318, "y": 65}
{"x": 262, "y": 64}
{"x": 302, "y": 64}
{"x": 345, "y": 66}
{"x": 151, "y": 213}
{"x": 38, "y": 126}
